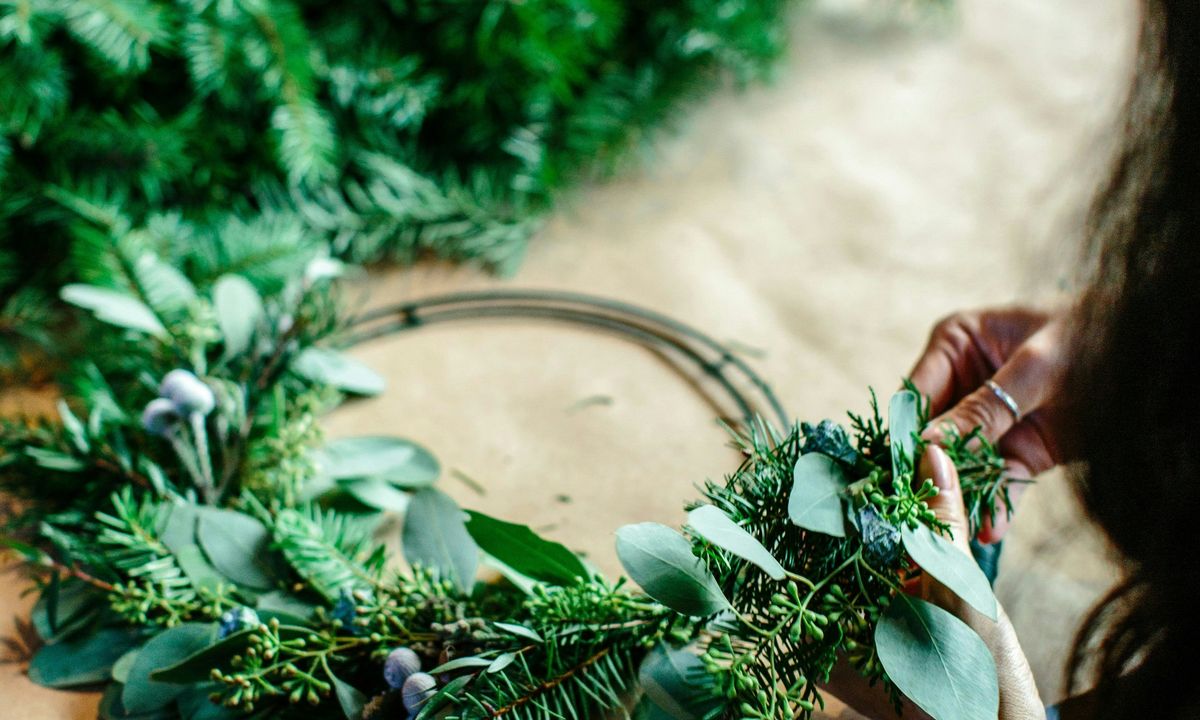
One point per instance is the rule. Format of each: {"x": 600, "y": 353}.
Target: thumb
{"x": 947, "y": 505}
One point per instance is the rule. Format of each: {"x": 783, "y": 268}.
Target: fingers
{"x": 947, "y": 505}
{"x": 950, "y": 343}
{"x": 966, "y": 348}
{"x": 1030, "y": 377}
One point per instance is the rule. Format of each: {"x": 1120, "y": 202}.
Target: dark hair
{"x": 1136, "y": 383}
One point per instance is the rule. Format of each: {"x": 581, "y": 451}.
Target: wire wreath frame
{"x": 678, "y": 343}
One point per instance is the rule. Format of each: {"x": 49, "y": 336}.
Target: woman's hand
{"x": 1019, "y": 699}
{"x": 1021, "y": 350}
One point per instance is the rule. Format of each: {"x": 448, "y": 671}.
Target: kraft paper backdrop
{"x": 897, "y": 170}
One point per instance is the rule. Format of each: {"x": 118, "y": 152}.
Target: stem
{"x": 186, "y": 455}
{"x": 200, "y": 432}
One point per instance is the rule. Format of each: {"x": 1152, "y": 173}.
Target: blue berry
{"x": 160, "y": 417}
{"x": 417, "y": 690}
{"x": 188, "y": 392}
{"x": 235, "y": 620}
{"x": 401, "y": 664}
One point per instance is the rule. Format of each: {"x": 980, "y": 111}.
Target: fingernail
{"x": 939, "y": 467}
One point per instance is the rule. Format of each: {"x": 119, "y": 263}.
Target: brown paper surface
{"x": 894, "y": 172}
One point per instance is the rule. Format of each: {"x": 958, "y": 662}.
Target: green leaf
{"x": 952, "y": 567}
{"x": 197, "y": 568}
{"x": 349, "y": 698}
{"x": 284, "y": 607}
{"x": 239, "y": 310}
{"x": 435, "y": 535}
{"x": 661, "y": 561}
{"x": 85, "y": 661}
{"x": 114, "y": 308}
{"x": 446, "y": 693}
{"x": 399, "y": 461}
{"x": 198, "y": 666}
{"x": 328, "y": 367}
{"x": 194, "y": 704}
{"x": 903, "y": 428}
{"x": 474, "y": 661}
{"x": 519, "y": 630}
{"x": 65, "y": 608}
{"x": 676, "y": 682}
{"x": 502, "y": 662}
{"x": 112, "y": 708}
{"x": 522, "y": 550}
{"x": 378, "y": 494}
{"x": 121, "y": 668}
{"x": 816, "y": 500}
{"x": 237, "y": 545}
{"x": 142, "y": 694}
{"x": 715, "y": 526}
{"x": 937, "y": 661}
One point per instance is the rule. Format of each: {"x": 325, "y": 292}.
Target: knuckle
{"x": 953, "y": 333}
{"x": 981, "y": 409}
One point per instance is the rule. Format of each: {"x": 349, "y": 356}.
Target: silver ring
{"x": 1005, "y": 398}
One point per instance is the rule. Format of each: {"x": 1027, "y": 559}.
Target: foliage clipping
{"x": 204, "y": 552}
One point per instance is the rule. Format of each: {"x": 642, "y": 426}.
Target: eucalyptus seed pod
{"x": 400, "y": 665}
{"x": 417, "y": 690}
{"x": 188, "y": 392}
{"x": 160, "y": 417}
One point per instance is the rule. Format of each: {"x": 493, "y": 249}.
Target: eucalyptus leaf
{"x": 502, "y": 662}
{"x": 239, "y": 310}
{"x": 177, "y": 527}
{"x": 399, "y": 461}
{"x": 661, "y": 561}
{"x": 64, "y": 609}
{"x": 378, "y": 494}
{"x": 349, "y": 698}
{"x": 903, "y": 428}
{"x": 937, "y": 661}
{"x": 715, "y": 526}
{"x": 433, "y": 706}
{"x": 474, "y": 661}
{"x": 112, "y": 708}
{"x": 197, "y": 568}
{"x": 141, "y": 694}
{"x": 520, "y": 631}
{"x": 435, "y": 535}
{"x": 194, "y": 704}
{"x": 816, "y": 500}
{"x": 85, "y": 661}
{"x": 120, "y": 669}
{"x": 114, "y": 308}
{"x": 198, "y": 666}
{"x": 330, "y": 367}
{"x": 286, "y": 608}
{"x": 522, "y": 550}
{"x": 237, "y": 545}
{"x": 952, "y": 567}
{"x": 677, "y": 683}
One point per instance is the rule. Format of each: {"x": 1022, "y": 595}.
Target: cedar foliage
{"x": 390, "y": 129}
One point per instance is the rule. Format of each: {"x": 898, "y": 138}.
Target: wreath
{"x": 204, "y": 553}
